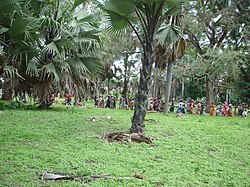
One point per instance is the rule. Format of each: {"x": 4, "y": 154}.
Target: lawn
{"x": 193, "y": 151}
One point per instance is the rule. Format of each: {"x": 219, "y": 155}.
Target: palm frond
{"x": 11, "y": 72}
{"x": 78, "y": 2}
{"x": 54, "y": 47}
{"x": 50, "y": 71}
{"x": 120, "y": 14}
{"x": 32, "y": 68}
{"x": 168, "y": 34}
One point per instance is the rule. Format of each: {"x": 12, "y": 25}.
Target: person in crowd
{"x": 240, "y": 109}
{"x": 230, "y": 110}
{"x": 188, "y": 106}
{"x": 183, "y": 108}
{"x": 191, "y": 107}
{"x": 107, "y": 102}
{"x": 68, "y": 100}
{"x": 180, "y": 107}
{"x": 96, "y": 101}
{"x": 156, "y": 104}
{"x": 202, "y": 112}
{"x": 211, "y": 109}
{"x": 224, "y": 111}
{"x": 101, "y": 102}
{"x": 198, "y": 108}
{"x": 172, "y": 106}
{"x": 219, "y": 110}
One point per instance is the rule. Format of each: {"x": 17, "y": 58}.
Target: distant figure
{"x": 68, "y": 100}
{"x": 156, "y": 104}
{"x": 52, "y": 98}
{"x": 191, "y": 107}
{"x": 230, "y": 110}
{"x": 224, "y": 111}
{"x": 244, "y": 113}
{"x": 172, "y": 106}
{"x": 202, "y": 112}
{"x": 219, "y": 110}
{"x": 211, "y": 109}
{"x": 180, "y": 107}
{"x": 96, "y": 101}
{"x": 198, "y": 109}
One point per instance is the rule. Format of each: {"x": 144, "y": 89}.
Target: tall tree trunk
{"x": 125, "y": 84}
{"x": 168, "y": 86}
{"x": 209, "y": 93}
{"x": 109, "y": 86}
{"x": 141, "y": 98}
{"x": 182, "y": 88}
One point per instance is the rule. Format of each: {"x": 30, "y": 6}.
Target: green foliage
{"x": 168, "y": 34}
{"x": 42, "y": 39}
{"x": 193, "y": 151}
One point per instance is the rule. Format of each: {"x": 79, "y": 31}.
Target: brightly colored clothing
{"x": 211, "y": 109}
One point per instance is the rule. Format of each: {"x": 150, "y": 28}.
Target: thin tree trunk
{"x": 182, "y": 88}
{"x": 141, "y": 98}
{"x": 109, "y": 86}
{"x": 125, "y": 85}
{"x": 209, "y": 93}
{"x": 168, "y": 86}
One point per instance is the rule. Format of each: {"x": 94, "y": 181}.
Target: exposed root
{"x": 100, "y": 119}
{"x": 125, "y": 137}
{"x": 180, "y": 115}
{"x": 85, "y": 179}
{"x": 151, "y": 120}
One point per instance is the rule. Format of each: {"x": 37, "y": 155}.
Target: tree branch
{"x": 194, "y": 41}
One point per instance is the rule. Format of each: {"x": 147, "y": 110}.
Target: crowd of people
{"x": 198, "y": 107}
{"x": 189, "y": 106}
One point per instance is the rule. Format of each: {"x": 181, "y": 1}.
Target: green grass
{"x": 194, "y": 151}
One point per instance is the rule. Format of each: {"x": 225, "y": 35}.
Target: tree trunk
{"x": 168, "y": 86}
{"x": 182, "y": 88}
{"x": 125, "y": 85}
{"x": 209, "y": 93}
{"x": 44, "y": 105}
{"x": 109, "y": 86}
{"x": 141, "y": 98}
{"x": 7, "y": 94}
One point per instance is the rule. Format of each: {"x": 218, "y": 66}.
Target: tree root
{"x": 85, "y": 179}
{"x": 93, "y": 119}
{"x": 125, "y": 137}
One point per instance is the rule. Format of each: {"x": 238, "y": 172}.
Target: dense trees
{"x": 145, "y": 18}
{"x": 65, "y": 45}
{"x": 47, "y": 43}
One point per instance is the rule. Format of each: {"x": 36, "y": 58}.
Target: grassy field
{"x": 193, "y": 151}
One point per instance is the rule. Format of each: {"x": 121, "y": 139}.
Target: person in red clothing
{"x": 68, "y": 100}
{"x": 230, "y": 109}
{"x": 212, "y": 109}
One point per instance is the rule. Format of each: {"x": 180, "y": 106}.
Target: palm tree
{"x": 61, "y": 43}
{"x": 145, "y": 18}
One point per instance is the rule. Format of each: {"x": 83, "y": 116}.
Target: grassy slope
{"x": 194, "y": 151}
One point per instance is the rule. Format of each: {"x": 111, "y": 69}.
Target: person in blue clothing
{"x": 180, "y": 107}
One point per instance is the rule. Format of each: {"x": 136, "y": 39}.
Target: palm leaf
{"x": 168, "y": 34}
{"x": 93, "y": 64}
{"x": 77, "y": 66}
{"x": 120, "y": 14}
{"x": 78, "y": 2}
{"x": 32, "y": 68}
{"x": 50, "y": 70}
{"x": 54, "y": 47}
{"x": 3, "y": 29}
